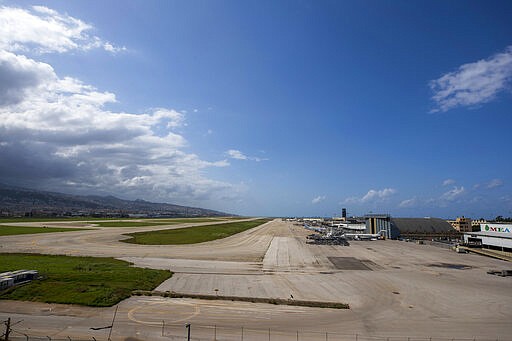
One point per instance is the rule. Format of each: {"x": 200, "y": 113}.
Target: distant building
{"x": 422, "y": 228}
{"x": 461, "y": 224}
{"x": 475, "y": 224}
{"x": 491, "y": 236}
{"x": 379, "y": 224}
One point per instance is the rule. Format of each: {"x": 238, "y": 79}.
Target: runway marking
{"x": 249, "y": 308}
{"x": 218, "y": 305}
{"x": 196, "y": 312}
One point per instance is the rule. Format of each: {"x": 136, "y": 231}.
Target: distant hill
{"x": 28, "y": 202}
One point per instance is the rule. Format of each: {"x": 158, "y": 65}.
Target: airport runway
{"x": 105, "y": 242}
{"x": 395, "y": 289}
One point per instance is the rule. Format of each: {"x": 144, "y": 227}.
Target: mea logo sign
{"x": 497, "y": 229}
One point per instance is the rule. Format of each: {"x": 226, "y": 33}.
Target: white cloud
{"x": 238, "y": 155}
{"x": 172, "y": 117}
{"x": 18, "y": 75}
{"x": 473, "y": 83}
{"x": 448, "y": 182}
{"x": 409, "y": 203}
{"x": 494, "y": 183}
{"x": 350, "y": 200}
{"x": 113, "y": 49}
{"x": 453, "y": 194}
{"x": 55, "y": 131}
{"x": 318, "y": 199}
{"x": 372, "y": 196}
{"x": 44, "y": 30}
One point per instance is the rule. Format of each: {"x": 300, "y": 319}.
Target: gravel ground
{"x": 404, "y": 289}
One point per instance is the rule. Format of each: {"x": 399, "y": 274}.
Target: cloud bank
{"x": 44, "y": 30}
{"x": 56, "y": 131}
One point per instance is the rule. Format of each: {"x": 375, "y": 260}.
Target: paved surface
{"x": 409, "y": 290}
{"x": 249, "y": 245}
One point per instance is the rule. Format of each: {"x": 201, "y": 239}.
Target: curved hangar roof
{"x": 421, "y": 225}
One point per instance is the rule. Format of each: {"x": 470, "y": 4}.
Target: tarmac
{"x": 395, "y": 289}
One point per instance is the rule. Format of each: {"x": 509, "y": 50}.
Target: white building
{"x": 491, "y": 236}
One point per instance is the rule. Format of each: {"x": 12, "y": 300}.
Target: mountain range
{"x": 16, "y": 201}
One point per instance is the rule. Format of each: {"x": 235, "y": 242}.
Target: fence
{"x": 233, "y": 333}
{"x": 44, "y": 338}
{"x": 169, "y": 332}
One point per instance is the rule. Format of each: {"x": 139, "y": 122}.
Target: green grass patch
{"x": 6, "y": 230}
{"x": 188, "y": 220}
{"x": 192, "y": 235}
{"x": 91, "y": 281}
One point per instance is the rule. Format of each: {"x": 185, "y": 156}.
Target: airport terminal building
{"x": 491, "y": 236}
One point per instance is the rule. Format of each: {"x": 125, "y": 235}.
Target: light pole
{"x": 112, "y": 325}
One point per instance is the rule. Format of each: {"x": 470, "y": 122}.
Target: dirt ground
{"x": 395, "y": 289}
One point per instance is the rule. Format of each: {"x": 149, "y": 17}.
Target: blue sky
{"x": 276, "y": 108}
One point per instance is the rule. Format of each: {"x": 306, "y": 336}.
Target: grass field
{"x": 192, "y": 235}
{"x": 78, "y": 280}
{"x": 190, "y": 220}
{"x": 6, "y": 230}
{"x": 154, "y": 222}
